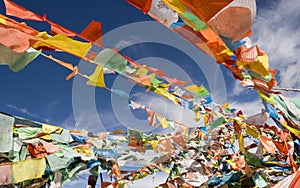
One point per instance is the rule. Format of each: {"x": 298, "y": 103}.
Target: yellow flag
{"x": 193, "y": 88}
{"x": 270, "y": 100}
{"x": 163, "y": 121}
{"x": 28, "y": 169}
{"x": 141, "y": 71}
{"x": 163, "y": 92}
{"x": 97, "y": 78}
{"x": 2, "y": 21}
{"x": 261, "y": 66}
{"x": 48, "y": 129}
{"x": 176, "y": 5}
{"x": 64, "y": 43}
{"x": 253, "y": 132}
{"x": 154, "y": 144}
{"x": 241, "y": 143}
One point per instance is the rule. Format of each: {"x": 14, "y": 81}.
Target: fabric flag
{"x": 110, "y": 59}
{"x": 257, "y": 119}
{"x": 289, "y": 108}
{"x": 163, "y": 92}
{"x": 13, "y": 9}
{"x": 15, "y": 39}
{"x": 193, "y": 21}
{"x": 202, "y": 91}
{"x": 143, "y": 5}
{"x": 28, "y": 169}
{"x": 151, "y": 117}
{"x": 155, "y": 82}
{"x": 17, "y": 61}
{"x": 268, "y": 144}
{"x": 57, "y": 29}
{"x": 176, "y": 5}
{"x": 162, "y": 13}
{"x": 165, "y": 146}
{"x": 235, "y": 20}
{"x": 108, "y": 71}
{"x": 93, "y": 33}
{"x": 179, "y": 92}
{"x": 204, "y": 9}
{"x": 135, "y": 105}
{"x": 196, "y": 38}
{"x": 64, "y": 43}
{"x": 97, "y": 78}
{"x": 5, "y": 175}
{"x": 260, "y": 66}
{"x": 176, "y": 81}
{"x": 158, "y": 72}
{"x": 6, "y": 136}
{"x": 163, "y": 121}
{"x": 16, "y": 25}
{"x": 193, "y": 88}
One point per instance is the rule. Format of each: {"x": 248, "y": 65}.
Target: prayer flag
{"x": 97, "y": 78}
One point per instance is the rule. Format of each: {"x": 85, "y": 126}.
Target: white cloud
{"x": 237, "y": 89}
{"x": 23, "y": 111}
{"x": 125, "y": 43}
{"x": 249, "y": 108}
{"x": 276, "y": 31}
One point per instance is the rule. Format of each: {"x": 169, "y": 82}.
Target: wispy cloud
{"x": 23, "y": 111}
{"x": 276, "y": 31}
{"x": 125, "y": 43}
{"x": 249, "y": 108}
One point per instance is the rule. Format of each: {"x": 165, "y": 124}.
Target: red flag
{"x": 93, "y": 33}
{"x": 57, "y": 29}
{"x": 143, "y": 5}
{"x": 13, "y": 9}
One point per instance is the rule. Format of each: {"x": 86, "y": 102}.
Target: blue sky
{"x": 40, "y": 92}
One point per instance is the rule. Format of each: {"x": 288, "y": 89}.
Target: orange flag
{"x": 176, "y": 81}
{"x": 15, "y": 39}
{"x": 13, "y": 9}
{"x": 268, "y": 144}
{"x": 151, "y": 117}
{"x": 16, "y": 25}
{"x": 205, "y": 9}
{"x": 156, "y": 71}
{"x": 57, "y": 29}
{"x": 93, "y": 33}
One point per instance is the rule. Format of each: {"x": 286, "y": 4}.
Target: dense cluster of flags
{"x": 220, "y": 29}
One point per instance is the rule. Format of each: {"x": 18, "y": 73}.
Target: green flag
{"x": 110, "y": 59}
{"x": 17, "y": 61}
{"x": 203, "y": 92}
